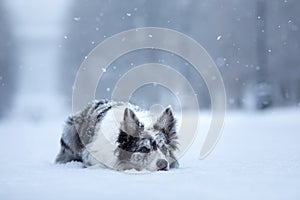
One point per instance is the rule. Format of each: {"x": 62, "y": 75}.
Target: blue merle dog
{"x": 120, "y": 136}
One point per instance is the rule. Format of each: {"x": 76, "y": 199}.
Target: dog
{"x": 120, "y": 136}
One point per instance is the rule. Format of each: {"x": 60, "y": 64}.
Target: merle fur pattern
{"x": 138, "y": 145}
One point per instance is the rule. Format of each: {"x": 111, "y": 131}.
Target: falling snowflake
{"x": 76, "y": 19}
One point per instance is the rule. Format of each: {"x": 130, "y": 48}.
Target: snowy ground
{"x": 258, "y": 157}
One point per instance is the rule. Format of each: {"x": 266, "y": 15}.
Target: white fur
{"x": 102, "y": 148}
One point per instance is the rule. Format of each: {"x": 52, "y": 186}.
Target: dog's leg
{"x": 71, "y": 146}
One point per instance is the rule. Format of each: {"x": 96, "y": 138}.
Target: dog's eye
{"x": 144, "y": 150}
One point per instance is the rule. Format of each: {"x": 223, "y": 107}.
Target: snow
{"x": 257, "y": 157}
{"x": 76, "y": 18}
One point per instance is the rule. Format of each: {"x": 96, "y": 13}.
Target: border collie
{"x": 120, "y": 136}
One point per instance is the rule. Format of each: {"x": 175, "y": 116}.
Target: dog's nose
{"x": 162, "y": 164}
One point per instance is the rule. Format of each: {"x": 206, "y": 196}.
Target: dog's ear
{"x": 131, "y": 124}
{"x": 166, "y": 123}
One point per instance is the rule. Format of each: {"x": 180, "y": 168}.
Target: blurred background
{"x": 254, "y": 43}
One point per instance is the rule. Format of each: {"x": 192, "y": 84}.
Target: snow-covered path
{"x": 258, "y": 157}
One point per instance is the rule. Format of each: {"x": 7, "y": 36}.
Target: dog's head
{"x": 147, "y": 147}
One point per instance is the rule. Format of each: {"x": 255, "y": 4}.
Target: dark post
{"x": 263, "y": 88}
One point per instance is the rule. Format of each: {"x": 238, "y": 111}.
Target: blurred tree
{"x": 264, "y": 97}
{"x": 8, "y": 69}
{"x": 90, "y": 22}
{"x": 283, "y": 51}
{"x": 247, "y": 48}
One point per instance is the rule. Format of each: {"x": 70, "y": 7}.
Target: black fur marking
{"x": 153, "y": 144}
{"x": 101, "y": 102}
{"x": 144, "y": 150}
{"x": 67, "y": 154}
{"x": 64, "y": 145}
{"x": 71, "y": 145}
{"x": 76, "y": 139}
{"x": 132, "y": 144}
{"x": 127, "y": 142}
{"x": 103, "y": 112}
{"x": 70, "y": 121}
